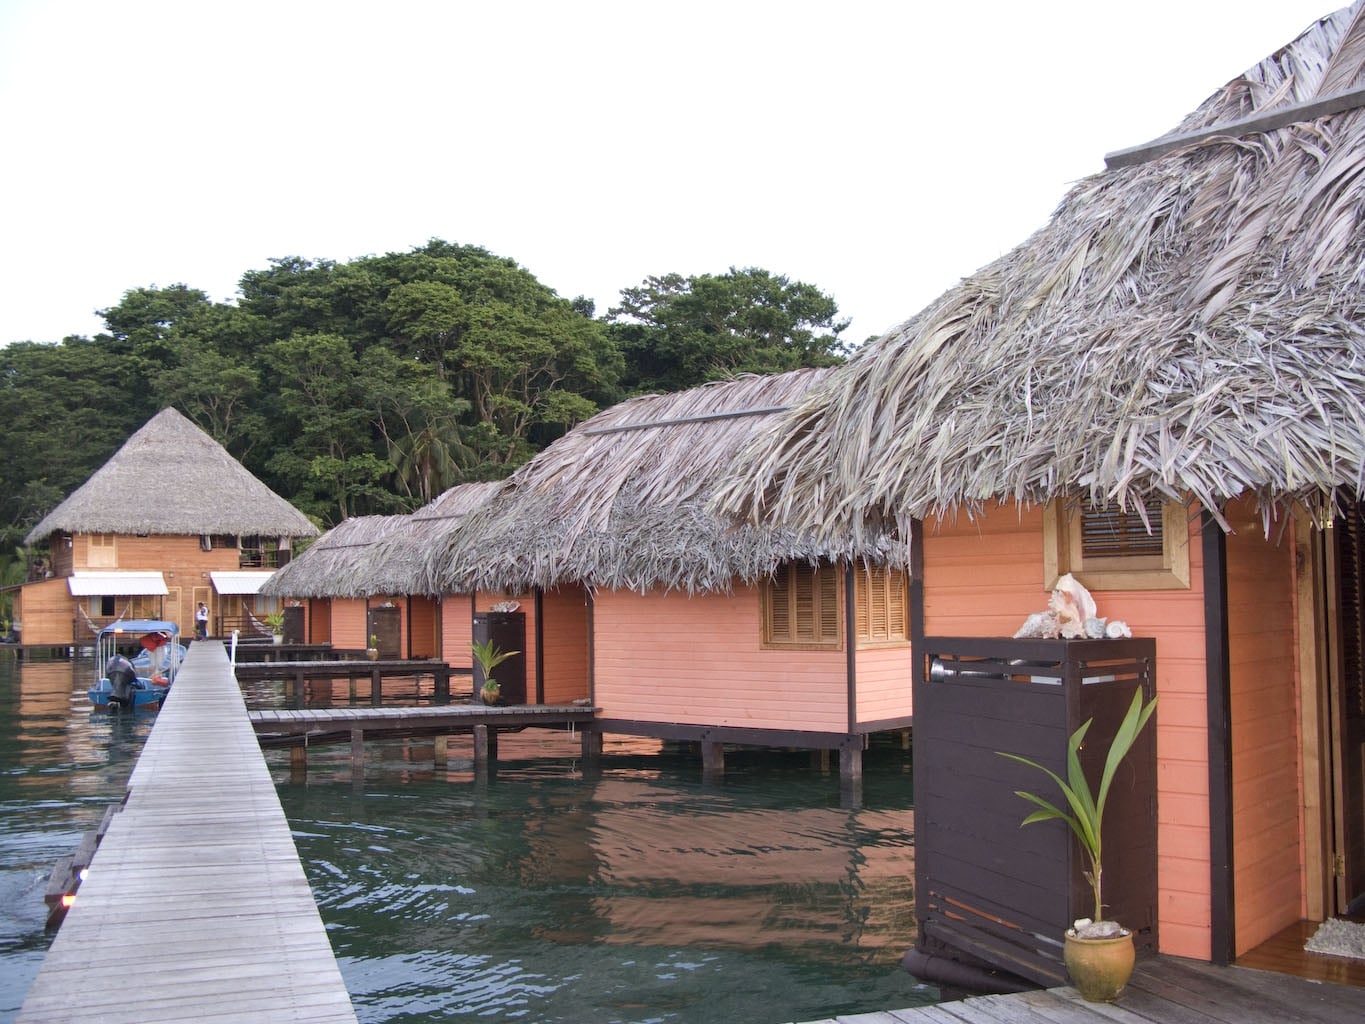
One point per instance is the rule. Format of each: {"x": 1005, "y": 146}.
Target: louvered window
{"x": 881, "y": 600}
{"x": 801, "y": 607}
{"x": 1115, "y": 549}
{"x": 1114, "y": 533}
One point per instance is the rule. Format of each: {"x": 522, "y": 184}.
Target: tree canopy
{"x": 373, "y": 386}
{"x": 677, "y": 332}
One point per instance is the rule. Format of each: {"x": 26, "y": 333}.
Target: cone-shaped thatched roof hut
{"x": 327, "y": 568}
{"x": 171, "y": 478}
{"x": 1191, "y": 322}
{"x": 619, "y": 502}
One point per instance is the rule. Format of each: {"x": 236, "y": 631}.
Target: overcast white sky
{"x": 878, "y": 150}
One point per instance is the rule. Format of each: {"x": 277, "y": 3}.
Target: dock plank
{"x": 1164, "y": 990}
{"x": 196, "y": 906}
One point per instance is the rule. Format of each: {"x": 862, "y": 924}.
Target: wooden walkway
{"x": 301, "y": 728}
{"x": 196, "y": 906}
{"x": 295, "y": 673}
{"x": 1164, "y": 990}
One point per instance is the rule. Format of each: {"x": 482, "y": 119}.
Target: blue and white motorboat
{"x": 142, "y": 681}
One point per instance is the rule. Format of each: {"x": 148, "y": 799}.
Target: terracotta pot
{"x": 1099, "y": 968}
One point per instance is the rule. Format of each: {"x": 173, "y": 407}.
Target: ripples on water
{"x": 60, "y": 766}
{"x": 638, "y": 894}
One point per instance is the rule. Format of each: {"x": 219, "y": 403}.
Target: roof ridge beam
{"x": 1260, "y": 122}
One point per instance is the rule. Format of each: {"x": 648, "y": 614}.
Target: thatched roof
{"x": 619, "y": 502}
{"x": 172, "y": 478}
{"x": 371, "y": 556}
{"x": 1189, "y": 324}
{"x": 396, "y": 563}
{"x": 327, "y": 567}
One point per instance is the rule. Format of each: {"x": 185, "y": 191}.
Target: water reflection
{"x": 638, "y": 894}
{"x": 61, "y": 765}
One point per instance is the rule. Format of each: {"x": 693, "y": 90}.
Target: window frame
{"x": 871, "y": 579}
{"x": 1062, "y": 553}
{"x": 771, "y": 600}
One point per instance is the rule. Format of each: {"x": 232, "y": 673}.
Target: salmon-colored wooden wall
{"x": 984, "y": 576}
{"x": 319, "y": 620}
{"x": 1268, "y": 880}
{"x": 422, "y": 638}
{"x": 670, "y": 657}
{"x": 564, "y": 634}
{"x": 883, "y": 683}
{"x": 457, "y": 630}
{"x": 348, "y": 623}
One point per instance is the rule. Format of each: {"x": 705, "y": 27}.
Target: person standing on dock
{"x": 201, "y": 622}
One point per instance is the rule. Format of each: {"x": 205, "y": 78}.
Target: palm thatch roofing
{"x": 171, "y": 478}
{"x": 619, "y": 502}
{"x": 1189, "y": 323}
{"x": 327, "y": 567}
{"x": 396, "y": 563}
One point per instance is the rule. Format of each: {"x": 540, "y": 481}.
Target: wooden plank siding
{"x": 318, "y": 620}
{"x": 670, "y": 657}
{"x": 422, "y": 639}
{"x": 48, "y": 609}
{"x": 564, "y": 635}
{"x": 883, "y": 683}
{"x": 348, "y": 623}
{"x": 984, "y": 575}
{"x": 457, "y": 630}
{"x": 1268, "y": 884}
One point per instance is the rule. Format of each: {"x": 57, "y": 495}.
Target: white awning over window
{"x": 92, "y": 583}
{"x": 244, "y": 582}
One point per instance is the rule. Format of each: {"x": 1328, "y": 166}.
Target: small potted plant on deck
{"x": 1099, "y": 954}
{"x": 489, "y": 657}
{"x": 372, "y": 652}
{"x": 275, "y": 620}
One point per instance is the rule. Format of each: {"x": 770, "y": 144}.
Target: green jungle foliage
{"x": 373, "y": 386}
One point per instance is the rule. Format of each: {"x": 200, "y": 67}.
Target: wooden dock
{"x": 196, "y": 906}
{"x": 297, "y": 673}
{"x": 1164, "y": 990}
{"x": 302, "y": 728}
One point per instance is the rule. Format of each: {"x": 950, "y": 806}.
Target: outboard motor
{"x": 122, "y": 680}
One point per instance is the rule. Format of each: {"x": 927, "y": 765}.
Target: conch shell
{"x": 1073, "y": 605}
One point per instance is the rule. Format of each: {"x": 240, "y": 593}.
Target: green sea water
{"x": 542, "y": 892}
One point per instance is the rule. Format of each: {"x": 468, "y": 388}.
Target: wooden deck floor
{"x": 1164, "y": 990}
{"x": 196, "y": 906}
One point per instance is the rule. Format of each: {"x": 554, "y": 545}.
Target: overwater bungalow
{"x": 1161, "y": 392}
{"x": 363, "y": 578}
{"x": 321, "y": 582}
{"x": 675, "y": 624}
{"x": 169, "y": 521}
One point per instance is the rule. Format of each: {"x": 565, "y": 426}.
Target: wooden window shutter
{"x": 882, "y": 605}
{"x": 1112, "y": 533}
{"x": 827, "y": 580}
{"x": 801, "y": 606}
{"x": 779, "y": 609}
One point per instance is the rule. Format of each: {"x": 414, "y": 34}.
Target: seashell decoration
{"x": 1071, "y": 615}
